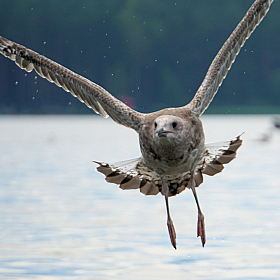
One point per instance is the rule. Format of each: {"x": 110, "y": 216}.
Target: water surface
{"x": 59, "y": 219}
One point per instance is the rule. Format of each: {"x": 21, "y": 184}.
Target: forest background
{"x": 149, "y": 53}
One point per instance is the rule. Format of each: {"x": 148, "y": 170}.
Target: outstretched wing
{"x": 226, "y": 56}
{"x": 93, "y": 95}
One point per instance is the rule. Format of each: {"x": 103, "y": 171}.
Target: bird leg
{"x": 200, "y": 222}
{"x": 170, "y": 226}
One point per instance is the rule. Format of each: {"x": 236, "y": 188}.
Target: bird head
{"x": 167, "y": 128}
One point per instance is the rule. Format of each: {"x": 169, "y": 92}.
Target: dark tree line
{"x": 151, "y": 54}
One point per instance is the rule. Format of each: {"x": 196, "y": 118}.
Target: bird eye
{"x": 155, "y": 124}
{"x": 174, "y": 124}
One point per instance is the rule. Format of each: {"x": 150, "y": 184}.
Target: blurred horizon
{"x": 149, "y": 54}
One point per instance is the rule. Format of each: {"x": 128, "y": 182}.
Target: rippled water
{"x": 60, "y": 219}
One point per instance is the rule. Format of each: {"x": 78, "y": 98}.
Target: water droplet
{"x": 25, "y": 75}
{"x": 160, "y": 29}
{"x": 69, "y": 103}
{"x": 16, "y": 83}
{"x": 33, "y": 97}
{"x": 45, "y": 43}
{"x": 155, "y": 60}
{"x": 177, "y": 61}
{"x": 35, "y": 77}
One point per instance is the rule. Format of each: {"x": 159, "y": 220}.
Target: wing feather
{"x": 93, "y": 95}
{"x": 226, "y": 56}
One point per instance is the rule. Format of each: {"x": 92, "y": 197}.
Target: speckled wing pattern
{"x": 133, "y": 174}
{"x": 226, "y": 56}
{"x": 93, "y": 95}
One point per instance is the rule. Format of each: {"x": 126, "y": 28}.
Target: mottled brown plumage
{"x": 174, "y": 155}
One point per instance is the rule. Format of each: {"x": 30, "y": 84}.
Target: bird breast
{"x": 171, "y": 157}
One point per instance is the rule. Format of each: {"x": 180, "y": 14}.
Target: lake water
{"x": 59, "y": 219}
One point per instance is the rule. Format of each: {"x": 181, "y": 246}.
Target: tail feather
{"x": 133, "y": 174}
{"x": 217, "y": 154}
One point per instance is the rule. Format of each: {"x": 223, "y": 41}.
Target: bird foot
{"x": 201, "y": 229}
{"x": 172, "y": 233}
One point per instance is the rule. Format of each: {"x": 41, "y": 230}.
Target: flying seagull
{"x": 174, "y": 154}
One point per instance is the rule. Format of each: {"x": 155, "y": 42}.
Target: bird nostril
{"x": 174, "y": 124}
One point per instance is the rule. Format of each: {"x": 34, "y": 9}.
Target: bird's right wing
{"x": 226, "y": 56}
{"x": 93, "y": 95}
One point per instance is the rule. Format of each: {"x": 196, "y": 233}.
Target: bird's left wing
{"x": 93, "y": 95}
{"x": 226, "y": 56}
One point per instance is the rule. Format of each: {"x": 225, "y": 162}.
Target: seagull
{"x": 174, "y": 154}
{"x": 276, "y": 122}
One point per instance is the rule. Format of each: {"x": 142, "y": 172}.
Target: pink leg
{"x": 200, "y": 222}
{"x": 170, "y": 226}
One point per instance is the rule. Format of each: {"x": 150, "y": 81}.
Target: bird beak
{"x": 162, "y": 133}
